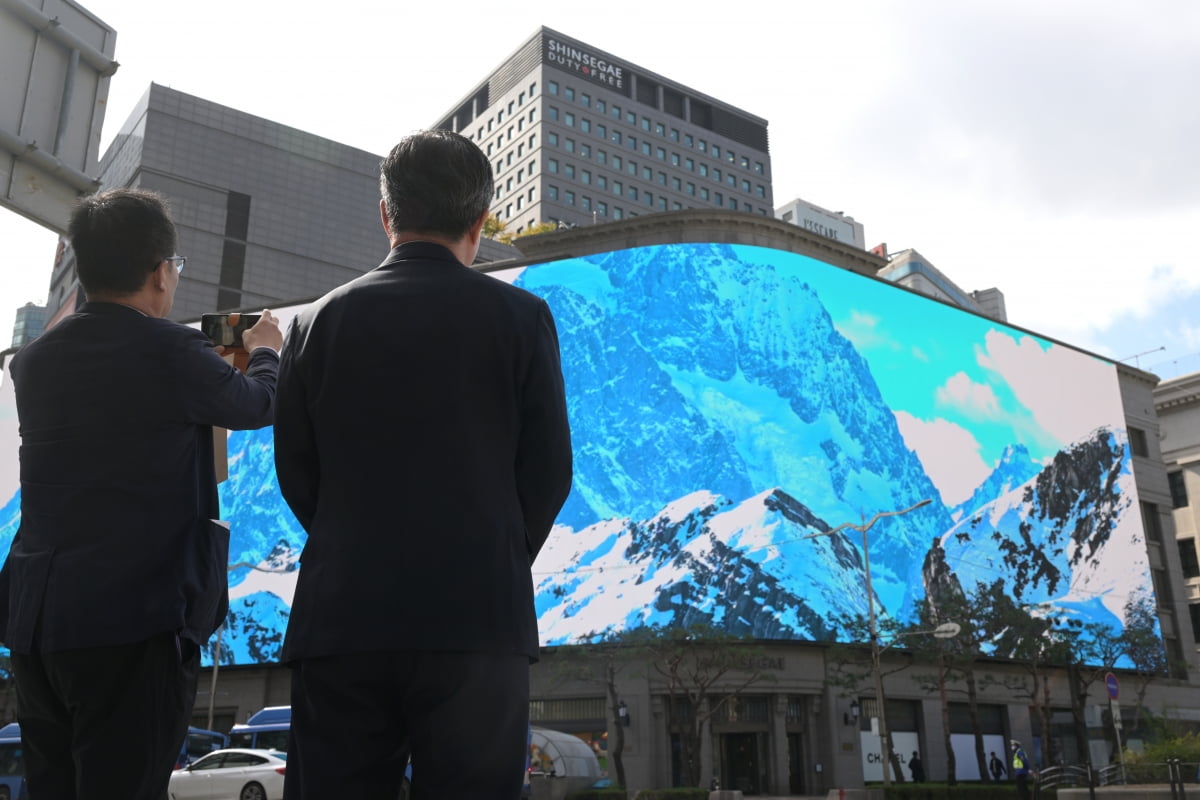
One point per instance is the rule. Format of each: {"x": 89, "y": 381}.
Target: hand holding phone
{"x": 227, "y": 330}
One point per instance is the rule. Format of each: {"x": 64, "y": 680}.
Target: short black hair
{"x": 119, "y": 237}
{"x": 435, "y": 182}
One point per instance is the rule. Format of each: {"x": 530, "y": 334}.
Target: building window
{"x": 1179, "y": 496}
{"x": 570, "y": 198}
{"x": 733, "y": 203}
{"x": 760, "y": 190}
{"x": 585, "y": 151}
{"x": 675, "y": 159}
{"x": 716, "y": 174}
{"x": 569, "y": 169}
{"x": 660, "y": 129}
{"x": 633, "y": 192}
{"x": 532, "y": 89}
{"x": 648, "y": 199}
{"x": 569, "y": 145}
{"x": 676, "y": 184}
{"x": 745, "y": 186}
{"x": 601, "y": 157}
{"x": 662, "y": 179}
{"x": 676, "y": 205}
{"x": 702, "y": 145}
{"x": 569, "y": 119}
{"x": 632, "y": 142}
{"x": 532, "y": 114}
{"x": 532, "y": 193}
{"x": 661, "y": 153}
{"x": 647, "y": 174}
{"x": 631, "y": 117}
{"x": 674, "y": 134}
{"x": 646, "y": 124}
{"x": 585, "y": 202}
{"x": 1137, "y": 442}
{"x": 703, "y": 170}
{"x": 731, "y": 179}
{"x": 662, "y": 203}
{"x": 1151, "y": 524}
{"x": 716, "y": 152}
{"x": 616, "y": 136}
{"x": 689, "y": 164}
{"x": 552, "y": 139}
{"x": 631, "y": 167}
{"x": 758, "y": 167}
{"x": 616, "y": 162}
{"x": 521, "y": 99}
{"x": 719, "y": 198}
{"x": 646, "y": 149}
{"x": 1187, "y": 558}
{"x": 616, "y": 111}
{"x": 618, "y": 212}
{"x": 691, "y": 189}
{"x": 601, "y": 132}
{"x": 585, "y": 100}
{"x": 600, "y": 106}
{"x": 617, "y": 188}
{"x": 585, "y": 177}
{"x": 551, "y": 192}
{"x": 703, "y": 193}
{"x": 688, "y": 140}
{"x": 601, "y": 182}
{"x": 602, "y": 207}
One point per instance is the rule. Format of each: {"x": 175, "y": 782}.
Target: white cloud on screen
{"x": 949, "y": 452}
{"x": 1067, "y": 393}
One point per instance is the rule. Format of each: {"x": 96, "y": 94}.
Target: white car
{"x": 233, "y": 774}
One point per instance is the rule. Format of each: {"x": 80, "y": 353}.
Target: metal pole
{"x": 884, "y": 747}
{"x": 212, "y": 690}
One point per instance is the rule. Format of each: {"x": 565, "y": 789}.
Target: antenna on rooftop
{"x": 1136, "y": 356}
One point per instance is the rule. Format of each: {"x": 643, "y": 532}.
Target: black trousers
{"x": 356, "y": 719}
{"x": 105, "y": 722}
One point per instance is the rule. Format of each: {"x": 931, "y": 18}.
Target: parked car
{"x": 232, "y": 774}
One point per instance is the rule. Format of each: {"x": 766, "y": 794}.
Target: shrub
{"x": 682, "y": 793}
{"x": 607, "y": 793}
{"x": 940, "y": 791}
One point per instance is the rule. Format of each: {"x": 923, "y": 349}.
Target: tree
{"x": 1144, "y": 647}
{"x": 1028, "y": 635}
{"x": 704, "y": 668}
{"x": 496, "y": 228}
{"x": 853, "y": 669}
{"x": 600, "y": 658}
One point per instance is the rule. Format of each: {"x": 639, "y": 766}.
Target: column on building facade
{"x": 778, "y": 763}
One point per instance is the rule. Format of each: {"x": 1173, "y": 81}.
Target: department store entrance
{"x": 742, "y": 762}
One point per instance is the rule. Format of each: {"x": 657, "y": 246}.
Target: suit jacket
{"x": 422, "y": 441}
{"x": 117, "y": 482}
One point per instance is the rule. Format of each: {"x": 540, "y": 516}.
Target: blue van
{"x": 267, "y": 729}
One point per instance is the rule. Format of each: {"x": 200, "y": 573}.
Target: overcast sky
{"x": 1048, "y": 149}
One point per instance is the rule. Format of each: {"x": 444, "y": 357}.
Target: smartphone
{"x": 226, "y": 330}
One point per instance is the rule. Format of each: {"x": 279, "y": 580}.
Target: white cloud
{"x": 975, "y": 400}
{"x": 1036, "y": 378}
{"x": 949, "y": 452}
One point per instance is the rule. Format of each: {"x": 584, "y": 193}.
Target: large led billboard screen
{"x": 728, "y": 401}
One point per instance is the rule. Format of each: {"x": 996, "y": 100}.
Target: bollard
{"x": 1091, "y": 779}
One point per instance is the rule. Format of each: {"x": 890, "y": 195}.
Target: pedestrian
{"x": 1021, "y": 770}
{"x": 916, "y": 768}
{"x": 996, "y": 767}
{"x": 422, "y": 442}
{"x": 117, "y": 575}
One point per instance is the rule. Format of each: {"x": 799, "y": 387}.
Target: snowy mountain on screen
{"x": 692, "y": 369}
{"x": 1069, "y": 536}
{"x": 1014, "y": 468}
{"x": 742, "y": 567}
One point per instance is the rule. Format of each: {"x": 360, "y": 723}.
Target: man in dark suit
{"x": 422, "y": 441}
{"x": 117, "y": 574}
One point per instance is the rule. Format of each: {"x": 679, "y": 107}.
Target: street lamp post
{"x": 876, "y": 650}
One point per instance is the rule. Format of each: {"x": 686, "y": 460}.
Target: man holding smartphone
{"x": 422, "y": 442}
{"x": 117, "y": 574}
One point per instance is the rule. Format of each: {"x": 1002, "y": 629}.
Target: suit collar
{"x": 423, "y": 251}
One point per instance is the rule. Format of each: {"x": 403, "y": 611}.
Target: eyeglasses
{"x": 178, "y": 261}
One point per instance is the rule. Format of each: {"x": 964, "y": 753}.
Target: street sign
{"x": 1114, "y": 688}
